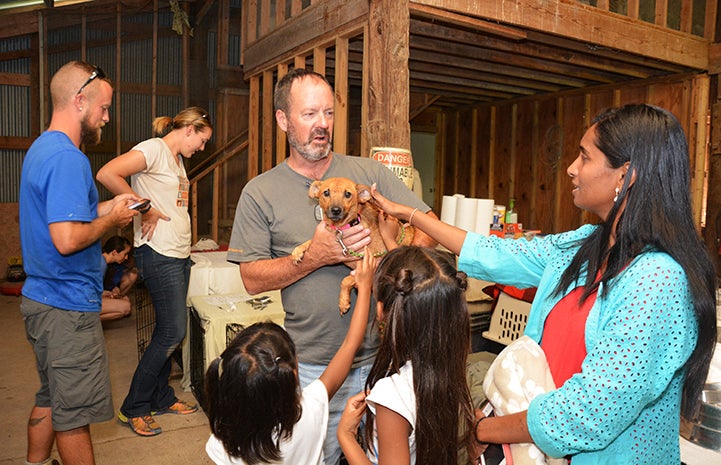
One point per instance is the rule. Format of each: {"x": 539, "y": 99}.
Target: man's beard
{"x": 88, "y": 134}
{"x": 307, "y": 150}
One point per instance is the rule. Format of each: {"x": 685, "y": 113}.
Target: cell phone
{"x": 140, "y": 205}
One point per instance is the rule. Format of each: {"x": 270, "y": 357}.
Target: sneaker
{"x": 180, "y": 407}
{"x": 142, "y": 426}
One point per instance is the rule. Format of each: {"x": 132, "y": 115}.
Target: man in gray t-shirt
{"x": 275, "y": 214}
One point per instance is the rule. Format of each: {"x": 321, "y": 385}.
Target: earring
{"x": 382, "y": 328}
{"x": 618, "y": 189}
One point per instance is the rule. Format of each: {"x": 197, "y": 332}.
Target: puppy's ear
{"x": 364, "y": 193}
{"x": 314, "y": 189}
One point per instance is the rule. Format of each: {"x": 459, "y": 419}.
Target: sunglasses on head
{"x": 97, "y": 73}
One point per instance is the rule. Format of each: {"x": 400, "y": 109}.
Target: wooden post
{"x": 253, "y": 126}
{"x": 388, "y": 84}
{"x": 698, "y": 142}
{"x": 268, "y": 120}
{"x": 319, "y": 57}
{"x": 340, "y": 136}
{"x": 280, "y": 140}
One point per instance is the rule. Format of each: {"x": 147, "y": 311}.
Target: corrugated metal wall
{"x": 10, "y": 165}
{"x": 132, "y": 109}
{"x": 14, "y": 117}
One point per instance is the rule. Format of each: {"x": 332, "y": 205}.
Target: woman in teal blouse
{"x": 650, "y": 330}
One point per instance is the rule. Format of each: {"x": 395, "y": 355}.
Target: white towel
{"x": 516, "y": 376}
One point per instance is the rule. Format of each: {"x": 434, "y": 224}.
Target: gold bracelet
{"x": 410, "y": 218}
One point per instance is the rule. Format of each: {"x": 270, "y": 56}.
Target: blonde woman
{"x": 162, "y": 253}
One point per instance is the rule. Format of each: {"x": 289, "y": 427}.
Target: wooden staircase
{"x": 214, "y": 203}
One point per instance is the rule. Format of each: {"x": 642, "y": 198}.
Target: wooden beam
{"x": 251, "y": 22}
{"x": 200, "y": 15}
{"x": 253, "y": 126}
{"x": 709, "y": 28}
{"x": 280, "y": 138}
{"x": 632, "y": 9}
{"x": 474, "y": 150}
{"x": 279, "y": 13}
{"x": 697, "y": 141}
{"x": 319, "y": 59}
{"x": 480, "y": 25}
{"x": 480, "y": 80}
{"x": 268, "y": 120}
{"x": 662, "y": 12}
{"x": 530, "y": 63}
{"x": 686, "y": 17}
{"x": 244, "y": 26}
{"x": 264, "y": 17}
{"x": 299, "y": 62}
{"x": 714, "y": 59}
{"x": 428, "y": 101}
{"x": 16, "y": 143}
{"x": 389, "y": 105}
{"x": 311, "y": 28}
{"x": 365, "y": 95}
{"x": 589, "y": 24}
{"x": 556, "y": 50}
{"x": 215, "y": 203}
{"x": 223, "y": 33}
{"x": 15, "y": 79}
{"x": 507, "y": 73}
{"x": 340, "y": 120}
{"x": 19, "y": 24}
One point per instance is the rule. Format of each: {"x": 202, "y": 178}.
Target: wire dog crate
{"x": 144, "y": 317}
{"x": 197, "y": 353}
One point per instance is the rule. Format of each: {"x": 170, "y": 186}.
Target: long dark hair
{"x": 657, "y": 215}
{"x": 252, "y": 392}
{"x": 426, "y": 322}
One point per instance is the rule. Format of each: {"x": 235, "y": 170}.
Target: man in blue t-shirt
{"x": 61, "y": 223}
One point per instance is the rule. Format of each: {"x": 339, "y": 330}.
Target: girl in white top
{"x": 418, "y": 406}
{"x": 257, "y": 412}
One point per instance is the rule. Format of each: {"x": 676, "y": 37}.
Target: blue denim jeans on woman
{"x": 166, "y": 279}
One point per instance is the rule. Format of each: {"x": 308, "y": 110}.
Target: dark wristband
{"x": 475, "y": 431}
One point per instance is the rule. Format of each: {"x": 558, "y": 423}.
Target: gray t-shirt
{"x": 274, "y": 215}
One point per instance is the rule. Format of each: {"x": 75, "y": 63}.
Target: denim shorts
{"x": 72, "y": 364}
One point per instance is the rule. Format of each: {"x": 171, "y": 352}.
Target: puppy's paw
{"x": 344, "y": 297}
{"x": 343, "y": 305}
{"x": 298, "y": 252}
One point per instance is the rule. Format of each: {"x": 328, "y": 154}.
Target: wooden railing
{"x": 214, "y": 165}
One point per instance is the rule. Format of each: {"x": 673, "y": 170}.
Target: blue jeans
{"x": 354, "y": 383}
{"x": 166, "y": 279}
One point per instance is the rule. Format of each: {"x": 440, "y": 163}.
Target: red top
{"x": 564, "y": 335}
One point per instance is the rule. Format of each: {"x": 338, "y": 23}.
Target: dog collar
{"x": 347, "y": 225}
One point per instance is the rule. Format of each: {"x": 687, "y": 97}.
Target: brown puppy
{"x": 344, "y": 204}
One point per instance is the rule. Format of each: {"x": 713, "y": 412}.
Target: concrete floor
{"x": 183, "y": 438}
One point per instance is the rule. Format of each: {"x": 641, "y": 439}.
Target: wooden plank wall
{"x": 522, "y": 149}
